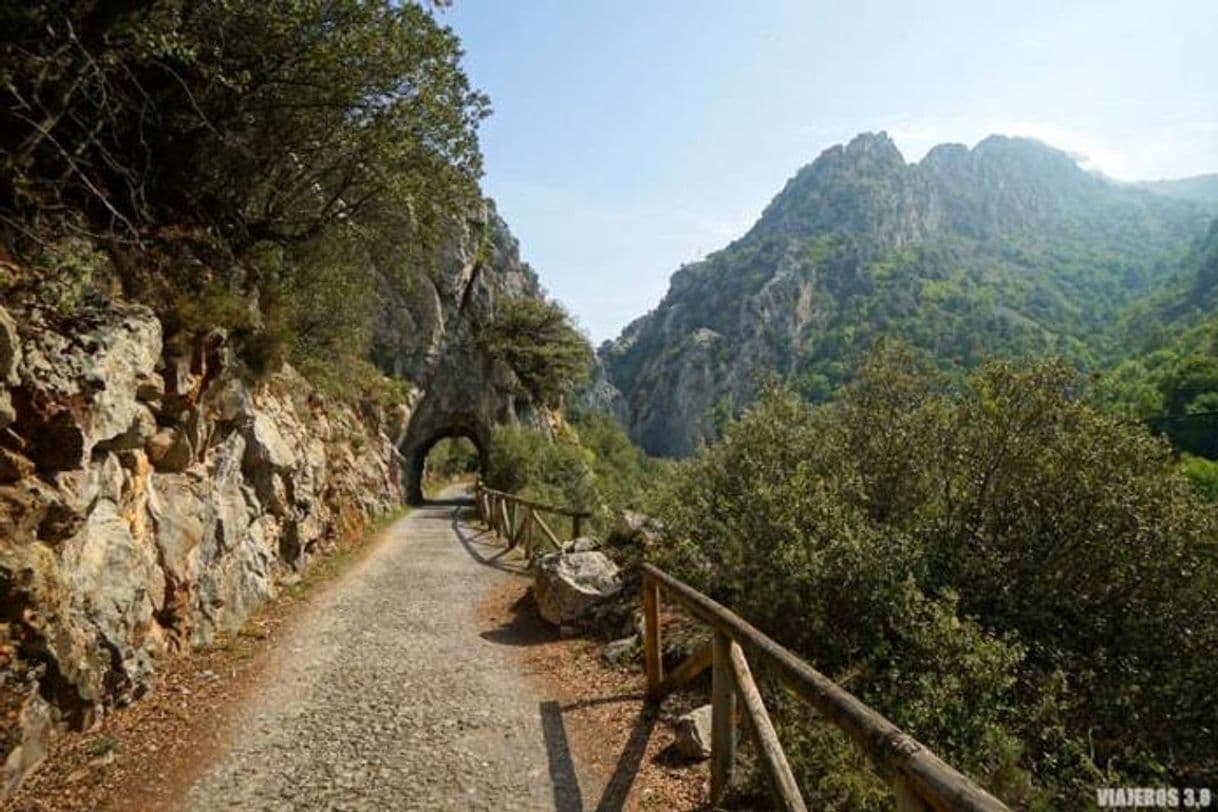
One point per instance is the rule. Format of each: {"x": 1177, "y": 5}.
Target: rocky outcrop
{"x": 567, "y": 584}
{"x": 1008, "y": 248}
{"x": 600, "y": 395}
{"x": 429, "y": 336}
{"x": 152, "y": 494}
{"x": 150, "y": 500}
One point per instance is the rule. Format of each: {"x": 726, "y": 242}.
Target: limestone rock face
{"x": 947, "y": 253}
{"x": 34, "y": 732}
{"x": 429, "y": 337}
{"x": 10, "y": 358}
{"x": 567, "y": 584}
{"x": 147, "y": 502}
{"x": 600, "y": 395}
{"x": 152, "y": 495}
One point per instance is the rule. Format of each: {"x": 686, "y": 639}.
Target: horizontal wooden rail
{"x": 919, "y": 778}
{"x": 520, "y": 500}
{"x": 516, "y": 518}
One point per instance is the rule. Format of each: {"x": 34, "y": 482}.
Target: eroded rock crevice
{"x": 144, "y": 500}
{"x": 154, "y": 494}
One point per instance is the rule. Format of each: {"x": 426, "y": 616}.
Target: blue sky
{"x": 631, "y": 137}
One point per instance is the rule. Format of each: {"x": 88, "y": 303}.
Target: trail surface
{"x": 389, "y": 694}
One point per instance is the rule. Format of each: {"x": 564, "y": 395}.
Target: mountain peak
{"x": 868, "y": 149}
{"x": 1007, "y": 248}
{"x": 1025, "y": 153}
{"x": 878, "y": 144}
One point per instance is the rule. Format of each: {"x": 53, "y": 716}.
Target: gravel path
{"x": 387, "y": 694}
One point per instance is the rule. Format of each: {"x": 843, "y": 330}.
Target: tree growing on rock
{"x": 537, "y": 341}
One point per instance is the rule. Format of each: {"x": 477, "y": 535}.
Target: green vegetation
{"x": 537, "y": 341}
{"x": 103, "y": 746}
{"x": 590, "y": 465}
{"x": 1020, "y": 581}
{"x": 1170, "y": 375}
{"x": 262, "y": 121}
{"x": 450, "y": 459}
{"x": 1008, "y": 250}
{"x": 266, "y": 168}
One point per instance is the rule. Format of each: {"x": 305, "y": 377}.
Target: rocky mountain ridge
{"x": 1007, "y": 248}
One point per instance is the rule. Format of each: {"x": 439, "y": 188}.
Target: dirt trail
{"x": 389, "y": 694}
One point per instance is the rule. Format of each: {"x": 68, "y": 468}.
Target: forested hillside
{"x": 1202, "y": 189}
{"x": 1007, "y": 249}
{"x": 1169, "y": 370}
{"x": 303, "y": 176}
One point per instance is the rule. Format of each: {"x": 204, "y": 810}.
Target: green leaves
{"x": 961, "y": 547}
{"x": 296, "y": 154}
{"x": 536, "y": 340}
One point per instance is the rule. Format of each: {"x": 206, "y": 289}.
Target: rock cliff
{"x": 428, "y": 335}
{"x": 1008, "y": 248}
{"x": 148, "y": 500}
{"x": 154, "y": 493}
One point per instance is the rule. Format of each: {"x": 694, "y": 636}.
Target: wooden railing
{"x": 520, "y": 521}
{"x": 920, "y": 780}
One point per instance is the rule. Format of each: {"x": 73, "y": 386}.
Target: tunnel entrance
{"x": 446, "y": 452}
{"x": 449, "y": 460}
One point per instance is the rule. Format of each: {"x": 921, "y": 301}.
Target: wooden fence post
{"x": 782, "y": 781}
{"x": 723, "y": 717}
{"x": 653, "y": 662}
{"x": 576, "y": 525}
{"x": 529, "y": 517}
{"x": 907, "y": 799}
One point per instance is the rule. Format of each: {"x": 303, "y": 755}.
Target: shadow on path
{"x": 527, "y": 628}
{"x": 452, "y": 501}
{"x": 617, "y": 790}
{"x": 567, "y": 795}
{"x": 483, "y": 545}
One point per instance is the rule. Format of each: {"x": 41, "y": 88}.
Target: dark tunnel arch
{"x": 415, "y": 453}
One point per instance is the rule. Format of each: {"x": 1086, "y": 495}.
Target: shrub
{"x": 1012, "y": 576}
{"x": 263, "y": 120}
{"x": 1202, "y": 473}
{"x": 589, "y": 465}
{"x": 261, "y": 167}
{"x": 556, "y": 471}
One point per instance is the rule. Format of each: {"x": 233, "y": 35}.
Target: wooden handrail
{"x": 782, "y": 780}
{"x": 520, "y": 500}
{"x": 499, "y": 511}
{"x": 919, "y": 778}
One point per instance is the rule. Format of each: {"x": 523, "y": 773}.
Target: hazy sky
{"x": 631, "y": 137}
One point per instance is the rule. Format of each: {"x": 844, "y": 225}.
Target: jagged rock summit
{"x": 1007, "y": 248}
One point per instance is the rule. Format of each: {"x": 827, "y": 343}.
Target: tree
{"x": 1008, "y": 573}
{"x": 263, "y": 120}
{"x": 536, "y": 339}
